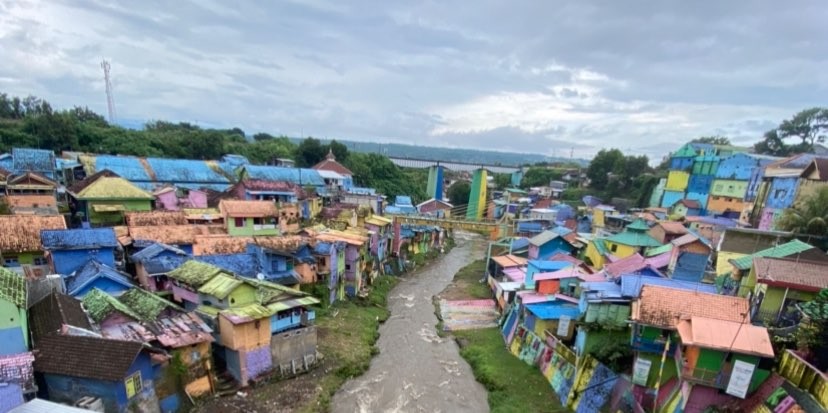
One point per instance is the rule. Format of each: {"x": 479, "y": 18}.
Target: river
{"x": 416, "y": 370}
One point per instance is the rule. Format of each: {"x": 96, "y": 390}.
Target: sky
{"x": 546, "y": 77}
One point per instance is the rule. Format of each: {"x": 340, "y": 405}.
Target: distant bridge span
{"x": 454, "y": 166}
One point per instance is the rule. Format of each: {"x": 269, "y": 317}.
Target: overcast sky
{"x": 524, "y": 76}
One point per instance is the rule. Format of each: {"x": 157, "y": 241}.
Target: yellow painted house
{"x": 599, "y": 213}
{"x": 634, "y": 239}
{"x": 677, "y": 181}
{"x": 596, "y": 252}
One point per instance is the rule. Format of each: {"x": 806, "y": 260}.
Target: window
{"x": 239, "y": 222}
{"x": 40, "y": 261}
{"x": 257, "y": 221}
{"x": 195, "y": 355}
{"x": 613, "y": 247}
{"x": 11, "y": 262}
{"x": 133, "y": 385}
{"x": 347, "y": 267}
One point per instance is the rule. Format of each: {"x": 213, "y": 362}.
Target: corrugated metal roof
{"x": 651, "y": 252}
{"x": 634, "y": 239}
{"x": 543, "y": 238}
{"x": 783, "y": 250}
{"x": 44, "y": 406}
{"x": 631, "y": 284}
{"x": 62, "y": 239}
{"x": 549, "y": 265}
{"x": 299, "y": 176}
{"x": 185, "y": 170}
{"x": 247, "y": 313}
{"x": 553, "y": 310}
{"x": 92, "y": 271}
{"x": 220, "y": 286}
{"x": 154, "y": 250}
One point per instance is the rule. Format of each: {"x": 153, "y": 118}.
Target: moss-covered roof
{"x": 220, "y": 286}
{"x": 145, "y": 304}
{"x": 113, "y": 188}
{"x": 12, "y": 287}
{"x": 99, "y": 305}
{"x": 194, "y": 273}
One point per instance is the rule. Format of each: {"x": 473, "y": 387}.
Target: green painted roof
{"x": 634, "y": 239}
{"x": 12, "y": 287}
{"x": 685, "y": 151}
{"x": 516, "y": 191}
{"x": 209, "y": 310}
{"x": 194, "y": 273}
{"x": 100, "y": 304}
{"x": 288, "y": 304}
{"x": 252, "y": 311}
{"x": 652, "y": 252}
{"x": 145, "y": 303}
{"x": 220, "y": 286}
{"x": 638, "y": 225}
{"x": 779, "y": 251}
{"x": 600, "y": 246}
{"x": 113, "y": 188}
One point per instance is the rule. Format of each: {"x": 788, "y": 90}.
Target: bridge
{"x": 458, "y": 220}
{"x": 454, "y": 166}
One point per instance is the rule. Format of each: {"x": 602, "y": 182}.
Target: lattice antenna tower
{"x": 110, "y": 100}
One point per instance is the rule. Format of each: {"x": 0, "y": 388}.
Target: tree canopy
{"x": 808, "y": 217}
{"x": 458, "y": 193}
{"x": 540, "y": 176}
{"x": 613, "y": 174}
{"x": 806, "y": 129}
{"x": 714, "y": 140}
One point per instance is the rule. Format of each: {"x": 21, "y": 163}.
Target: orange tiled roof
{"x": 154, "y": 218}
{"x": 248, "y": 209}
{"x": 726, "y": 336}
{"x": 31, "y": 201}
{"x": 508, "y": 261}
{"x": 220, "y": 244}
{"x": 673, "y": 227}
{"x": 21, "y": 233}
{"x": 172, "y": 234}
{"x": 792, "y": 273}
{"x": 664, "y": 307}
{"x": 330, "y": 164}
{"x": 281, "y": 243}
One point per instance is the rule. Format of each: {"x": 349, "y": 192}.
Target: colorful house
{"x": 95, "y": 275}
{"x": 548, "y": 243}
{"x": 634, "y": 239}
{"x": 381, "y": 233}
{"x": 299, "y": 176}
{"x": 248, "y": 218}
{"x": 188, "y": 278}
{"x": 655, "y": 316}
{"x": 777, "y": 284}
{"x": 14, "y": 325}
{"x": 330, "y": 164}
{"x": 266, "y": 190}
{"x": 604, "y": 316}
{"x": 814, "y": 177}
{"x": 171, "y": 198}
{"x": 104, "y": 201}
{"x": 596, "y": 253}
{"x": 685, "y": 208}
{"x": 556, "y": 316}
{"x": 666, "y": 231}
{"x": 330, "y": 267}
{"x": 153, "y": 263}
{"x": 712, "y": 350}
{"x": 689, "y": 257}
{"x": 71, "y": 249}
{"x": 739, "y": 242}
{"x": 741, "y": 265}
{"x": 120, "y": 373}
{"x": 563, "y": 281}
{"x": 539, "y": 267}
{"x": 355, "y": 249}
{"x": 435, "y": 207}
{"x": 20, "y": 244}
{"x": 779, "y": 188}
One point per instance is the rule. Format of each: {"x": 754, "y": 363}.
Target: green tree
{"x": 714, "y": 140}
{"x": 261, "y": 136}
{"x": 813, "y": 332}
{"x": 458, "y": 194}
{"x": 378, "y": 172}
{"x": 339, "y": 150}
{"x": 539, "y": 176}
{"x": 808, "y": 126}
{"x": 603, "y": 166}
{"x": 310, "y": 152}
{"x": 808, "y": 217}
{"x": 502, "y": 181}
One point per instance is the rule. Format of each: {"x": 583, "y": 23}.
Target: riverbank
{"x": 512, "y": 385}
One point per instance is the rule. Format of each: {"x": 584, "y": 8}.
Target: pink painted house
{"x": 170, "y": 198}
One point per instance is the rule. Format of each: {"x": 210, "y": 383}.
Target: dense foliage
{"x": 458, "y": 194}
{"x": 613, "y": 174}
{"x": 808, "y": 217}
{"x": 807, "y": 128}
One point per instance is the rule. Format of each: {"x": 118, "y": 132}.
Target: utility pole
{"x": 110, "y": 100}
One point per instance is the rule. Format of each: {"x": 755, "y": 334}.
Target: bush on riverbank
{"x": 466, "y": 284}
{"x": 513, "y": 385}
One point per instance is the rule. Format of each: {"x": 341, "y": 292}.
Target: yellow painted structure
{"x": 620, "y": 250}
{"x": 723, "y": 264}
{"x": 722, "y": 203}
{"x": 244, "y": 336}
{"x": 598, "y": 219}
{"x": 677, "y": 181}
{"x": 805, "y": 376}
{"x": 596, "y": 258}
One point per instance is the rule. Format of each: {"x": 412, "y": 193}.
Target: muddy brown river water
{"x": 416, "y": 370}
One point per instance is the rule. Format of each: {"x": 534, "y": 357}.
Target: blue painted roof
{"x": 520, "y": 243}
{"x": 61, "y": 239}
{"x": 246, "y": 265}
{"x": 127, "y": 167}
{"x": 631, "y": 285}
{"x": 529, "y": 227}
{"x": 276, "y": 173}
{"x": 322, "y": 248}
{"x": 362, "y": 191}
{"x": 401, "y": 201}
{"x": 6, "y": 162}
{"x": 164, "y": 264}
{"x": 553, "y": 310}
{"x": 184, "y": 170}
{"x": 92, "y": 271}
{"x": 549, "y": 265}
{"x": 406, "y": 233}
{"x": 36, "y": 160}
{"x": 560, "y": 230}
{"x": 153, "y": 250}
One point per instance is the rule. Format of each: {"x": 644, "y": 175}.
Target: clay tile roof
{"x": 725, "y": 336}
{"x": 49, "y": 314}
{"x": 70, "y": 356}
{"x": 796, "y": 274}
{"x": 664, "y": 307}
{"x": 248, "y": 209}
{"x": 169, "y": 234}
{"x": 281, "y": 243}
{"x": 689, "y": 203}
{"x": 672, "y": 227}
{"x": 21, "y": 233}
{"x": 220, "y": 244}
{"x": 154, "y": 218}
{"x": 330, "y": 164}
{"x": 820, "y": 166}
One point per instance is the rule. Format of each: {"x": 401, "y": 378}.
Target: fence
{"x": 805, "y": 376}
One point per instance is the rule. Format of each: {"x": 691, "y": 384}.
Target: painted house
{"x": 71, "y": 249}
{"x": 739, "y": 242}
{"x": 31, "y": 193}
{"x": 14, "y": 325}
{"x": 698, "y": 189}
{"x": 686, "y": 208}
{"x": 602, "y": 303}
{"x": 666, "y": 231}
{"x": 96, "y": 275}
{"x": 355, "y": 250}
{"x": 655, "y": 317}
{"x": 330, "y": 267}
{"x": 548, "y": 243}
{"x": 732, "y": 179}
{"x": 171, "y": 198}
{"x": 539, "y": 267}
{"x": 331, "y": 165}
{"x": 689, "y": 257}
{"x": 779, "y": 188}
{"x": 739, "y": 267}
{"x": 381, "y": 233}
{"x": 711, "y": 349}
{"x": 435, "y": 207}
{"x": 548, "y": 316}
{"x": 563, "y": 281}
{"x": 20, "y": 244}
{"x": 153, "y": 263}
{"x": 248, "y": 218}
{"x": 120, "y": 373}
{"x": 265, "y": 190}
{"x": 634, "y": 239}
{"x": 188, "y": 278}
{"x": 777, "y": 284}
{"x": 104, "y": 201}
{"x": 596, "y": 253}
{"x": 814, "y": 177}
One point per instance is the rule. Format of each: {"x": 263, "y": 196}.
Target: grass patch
{"x": 513, "y": 385}
{"x": 466, "y": 284}
{"x": 347, "y": 335}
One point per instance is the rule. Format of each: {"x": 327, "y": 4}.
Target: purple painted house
{"x": 170, "y": 198}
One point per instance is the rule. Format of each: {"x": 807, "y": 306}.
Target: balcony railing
{"x": 705, "y": 377}
{"x": 261, "y": 227}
